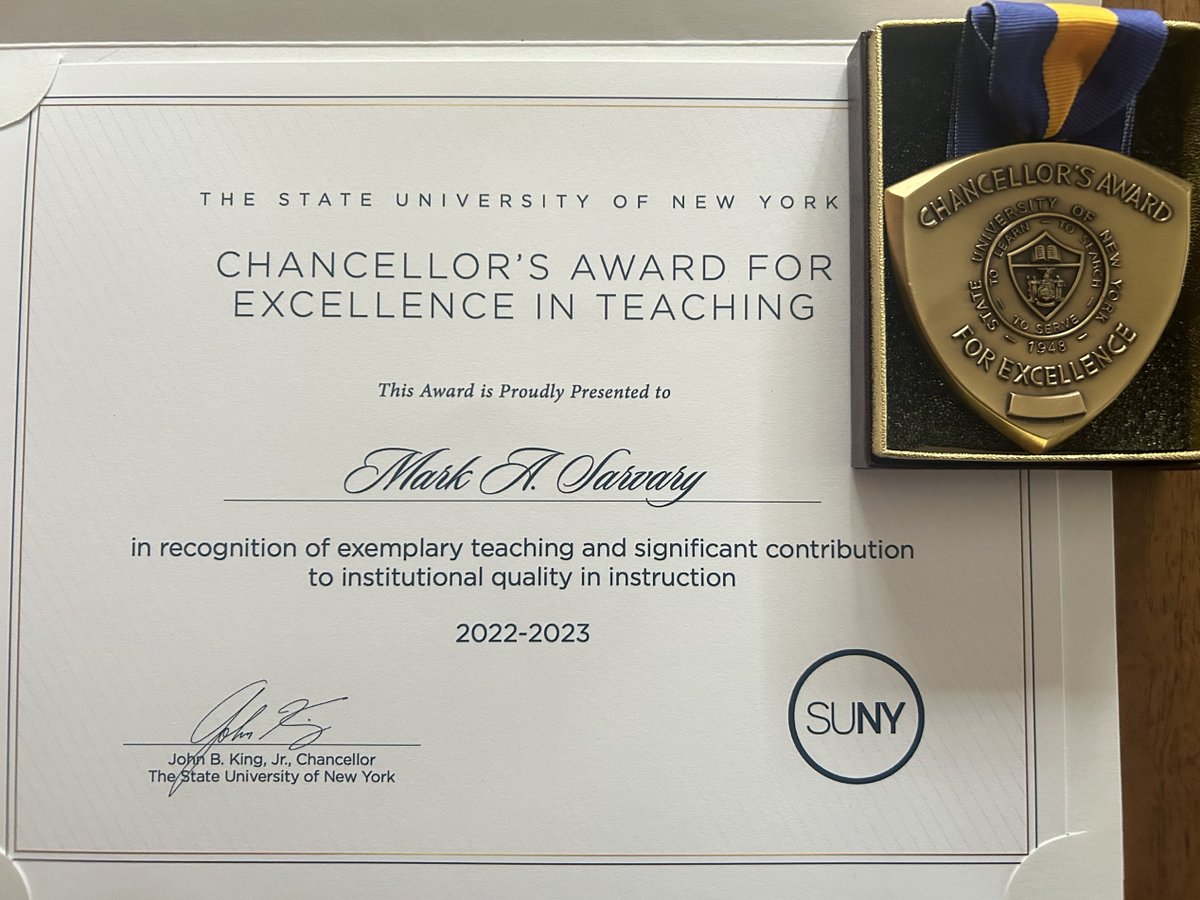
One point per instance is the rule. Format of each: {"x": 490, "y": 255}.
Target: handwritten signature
{"x": 245, "y": 717}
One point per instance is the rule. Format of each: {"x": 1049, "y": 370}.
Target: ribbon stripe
{"x": 1061, "y": 71}
{"x": 1072, "y": 56}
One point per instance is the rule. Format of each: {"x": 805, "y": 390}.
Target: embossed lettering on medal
{"x": 1041, "y": 276}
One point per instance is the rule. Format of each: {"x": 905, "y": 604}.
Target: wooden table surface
{"x": 1157, "y": 519}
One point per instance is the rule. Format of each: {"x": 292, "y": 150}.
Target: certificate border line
{"x": 17, "y": 453}
{"x": 942, "y": 858}
{"x": 514, "y": 102}
{"x": 1025, "y": 500}
{"x": 443, "y": 105}
{"x": 1013, "y": 862}
{"x": 1027, "y": 526}
{"x": 18, "y": 571}
{"x": 178, "y": 98}
{"x": 527, "y": 859}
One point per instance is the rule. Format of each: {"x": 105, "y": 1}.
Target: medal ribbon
{"x": 1057, "y": 71}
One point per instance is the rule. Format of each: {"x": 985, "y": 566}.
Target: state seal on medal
{"x": 1043, "y": 272}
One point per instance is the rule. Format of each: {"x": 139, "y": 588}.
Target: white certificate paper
{"x": 430, "y": 476}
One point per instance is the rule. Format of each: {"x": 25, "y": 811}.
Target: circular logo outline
{"x": 1091, "y": 308}
{"x": 849, "y": 779}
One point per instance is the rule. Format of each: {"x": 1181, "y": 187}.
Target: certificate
{"x": 430, "y": 476}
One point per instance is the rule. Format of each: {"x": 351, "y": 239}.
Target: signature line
{"x": 249, "y": 744}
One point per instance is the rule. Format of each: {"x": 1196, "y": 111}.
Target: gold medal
{"x": 1041, "y": 276}
{"x": 1040, "y": 266}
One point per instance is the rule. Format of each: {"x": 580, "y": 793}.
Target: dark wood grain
{"x": 1157, "y": 517}
{"x": 1157, "y": 521}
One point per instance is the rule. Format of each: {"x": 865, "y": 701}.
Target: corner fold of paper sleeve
{"x": 25, "y": 79}
{"x": 12, "y": 882}
{"x": 1085, "y": 865}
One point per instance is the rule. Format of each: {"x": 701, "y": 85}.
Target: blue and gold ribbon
{"x": 1057, "y": 71}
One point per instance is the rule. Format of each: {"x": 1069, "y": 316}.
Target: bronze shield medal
{"x": 1041, "y": 276}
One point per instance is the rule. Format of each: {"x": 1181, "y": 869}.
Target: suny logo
{"x": 856, "y": 716}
